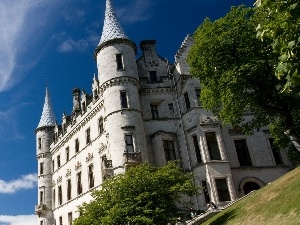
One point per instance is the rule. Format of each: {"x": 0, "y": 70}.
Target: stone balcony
{"x": 40, "y": 209}
{"x": 132, "y": 158}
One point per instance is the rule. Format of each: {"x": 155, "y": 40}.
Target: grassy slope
{"x": 277, "y": 203}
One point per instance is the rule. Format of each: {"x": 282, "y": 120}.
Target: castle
{"x": 144, "y": 110}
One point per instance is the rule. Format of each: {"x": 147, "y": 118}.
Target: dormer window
{"x": 153, "y": 77}
{"x": 119, "y": 59}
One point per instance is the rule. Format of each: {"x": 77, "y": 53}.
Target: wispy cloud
{"x": 24, "y": 182}
{"x": 75, "y": 15}
{"x": 8, "y": 123}
{"x": 18, "y": 220}
{"x": 135, "y": 11}
{"x": 19, "y": 31}
{"x": 70, "y": 45}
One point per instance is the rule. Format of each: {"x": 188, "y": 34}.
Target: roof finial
{"x": 111, "y": 28}
{"x": 47, "y": 118}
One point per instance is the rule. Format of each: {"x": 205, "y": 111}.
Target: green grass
{"x": 276, "y": 203}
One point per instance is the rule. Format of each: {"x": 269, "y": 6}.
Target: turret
{"x": 119, "y": 82}
{"x": 44, "y": 137}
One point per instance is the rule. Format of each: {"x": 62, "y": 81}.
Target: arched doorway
{"x": 250, "y": 186}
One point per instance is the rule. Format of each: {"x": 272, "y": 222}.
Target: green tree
{"x": 142, "y": 195}
{"x": 237, "y": 75}
{"x": 282, "y": 25}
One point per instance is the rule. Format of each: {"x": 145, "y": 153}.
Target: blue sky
{"x": 52, "y": 42}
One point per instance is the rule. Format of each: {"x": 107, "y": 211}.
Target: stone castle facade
{"x": 143, "y": 110}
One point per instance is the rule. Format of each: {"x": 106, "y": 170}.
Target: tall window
{"x": 41, "y": 197}
{"x": 76, "y": 145}
{"x": 129, "y": 143}
{"x": 212, "y": 145}
{"x": 69, "y": 189}
{"x": 123, "y": 96}
{"x": 198, "y": 92}
{"x": 53, "y": 198}
{"x": 40, "y": 143}
{"x": 197, "y": 149}
{"x": 119, "y": 59}
{"x": 171, "y": 108}
{"x": 205, "y": 191}
{"x": 41, "y": 168}
{"x": 88, "y": 136}
{"x": 59, "y": 195}
{"x": 101, "y": 128}
{"x": 67, "y": 154}
{"x": 222, "y": 190}
{"x": 153, "y": 77}
{"x": 60, "y": 221}
{"x": 79, "y": 184}
{"x": 41, "y": 222}
{"x": 53, "y": 165}
{"x": 154, "y": 111}
{"x": 242, "y": 152}
{"x": 91, "y": 176}
{"x": 58, "y": 161}
{"x": 187, "y": 101}
{"x": 70, "y": 218}
{"x": 169, "y": 150}
{"x": 276, "y": 152}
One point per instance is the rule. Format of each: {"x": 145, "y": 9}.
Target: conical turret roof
{"x": 112, "y": 28}
{"x": 47, "y": 118}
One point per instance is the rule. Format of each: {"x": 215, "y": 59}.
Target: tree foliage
{"x": 282, "y": 25}
{"x": 142, "y": 195}
{"x": 236, "y": 72}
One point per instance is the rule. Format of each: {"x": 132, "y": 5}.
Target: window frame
{"x": 88, "y": 136}
{"x": 129, "y": 145}
{"x": 91, "y": 176}
{"x": 77, "y": 145}
{"x": 168, "y": 151}
{"x": 79, "y": 183}
{"x": 101, "y": 125}
{"x": 197, "y": 148}
{"x": 60, "y": 195}
{"x": 221, "y": 191}
{"x": 154, "y": 111}
{"x": 243, "y": 154}
{"x": 124, "y": 99}
{"x": 69, "y": 189}
{"x": 120, "y": 61}
{"x": 153, "y": 76}
{"x": 58, "y": 163}
{"x": 67, "y": 154}
{"x": 187, "y": 101}
{"x": 209, "y": 147}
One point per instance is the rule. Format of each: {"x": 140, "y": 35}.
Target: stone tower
{"x": 119, "y": 84}
{"x": 44, "y": 137}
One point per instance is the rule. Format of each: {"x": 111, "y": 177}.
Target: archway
{"x": 250, "y": 186}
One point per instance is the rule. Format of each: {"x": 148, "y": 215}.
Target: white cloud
{"x": 24, "y": 182}
{"x": 136, "y": 11}
{"x": 75, "y": 15}
{"x": 21, "y": 24}
{"x": 18, "y": 220}
{"x": 70, "y": 45}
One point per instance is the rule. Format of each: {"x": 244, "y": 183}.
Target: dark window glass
{"x": 101, "y": 128}
{"x": 69, "y": 190}
{"x": 198, "y": 92}
{"x": 41, "y": 168}
{"x": 276, "y": 152}
{"x": 123, "y": 96}
{"x": 76, "y": 146}
{"x": 70, "y": 218}
{"x": 171, "y": 108}
{"x": 53, "y": 198}
{"x": 119, "y": 59}
{"x": 197, "y": 149}
{"x": 205, "y": 191}
{"x": 40, "y": 143}
{"x": 58, "y": 161}
{"x": 153, "y": 77}
{"x": 60, "y": 221}
{"x": 67, "y": 154}
{"x": 88, "y": 136}
{"x": 154, "y": 111}
{"x": 53, "y": 165}
{"x": 59, "y": 195}
{"x": 41, "y": 197}
{"x": 91, "y": 177}
{"x": 187, "y": 101}
{"x": 129, "y": 143}
{"x": 79, "y": 185}
{"x": 242, "y": 152}
{"x": 222, "y": 189}
{"x": 169, "y": 150}
{"x": 212, "y": 145}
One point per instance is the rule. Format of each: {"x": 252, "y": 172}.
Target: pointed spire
{"x": 112, "y": 28}
{"x": 47, "y": 118}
